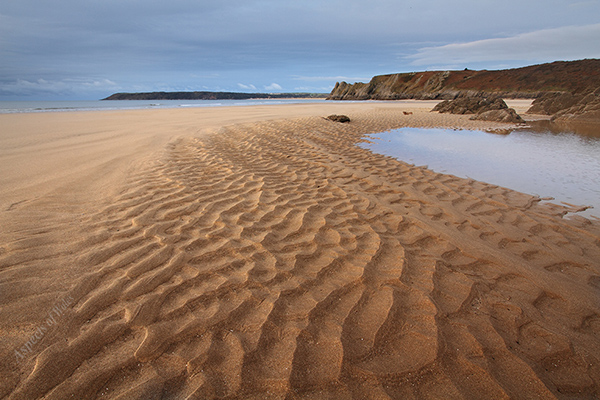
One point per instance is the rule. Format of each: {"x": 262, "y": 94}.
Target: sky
{"x": 89, "y": 49}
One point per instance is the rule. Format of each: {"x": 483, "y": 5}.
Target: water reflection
{"x": 580, "y": 128}
{"x": 556, "y": 164}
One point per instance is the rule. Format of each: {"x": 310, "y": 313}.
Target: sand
{"x": 259, "y": 253}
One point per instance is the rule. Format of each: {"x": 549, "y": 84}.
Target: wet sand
{"x": 258, "y": 252}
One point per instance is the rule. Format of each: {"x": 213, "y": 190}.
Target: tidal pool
{"x": 564, "y": 165}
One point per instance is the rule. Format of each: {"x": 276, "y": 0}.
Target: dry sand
{"x": 258, "y": 252}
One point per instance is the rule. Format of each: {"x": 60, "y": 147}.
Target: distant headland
{"x": 212, "y": 96}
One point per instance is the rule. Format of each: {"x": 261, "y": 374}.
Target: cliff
{"x": 210, "y": 96}
{"x": 527, "y": 82}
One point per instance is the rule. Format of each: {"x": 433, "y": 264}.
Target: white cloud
{"x": 314, "y": 89}
{"x": 247, "y": 87}
{"x": 330, "y": 78}
{"x": 565, "y": 43}
{"x": 273, "y": 86}
{"x": 53, "y": 87}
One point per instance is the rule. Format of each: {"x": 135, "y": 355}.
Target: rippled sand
{"x": 259, "y": 253}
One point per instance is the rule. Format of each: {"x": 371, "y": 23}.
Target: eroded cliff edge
{"x": 527, "y": 82}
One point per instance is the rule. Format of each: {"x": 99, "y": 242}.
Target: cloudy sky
{"x": 88, "y": 49}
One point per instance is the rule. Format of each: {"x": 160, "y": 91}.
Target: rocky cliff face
{"x": 418, "y": 85}
{"x": 528, "y": 82}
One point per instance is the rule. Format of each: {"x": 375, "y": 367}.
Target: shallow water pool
{"x": 562, "y": 165}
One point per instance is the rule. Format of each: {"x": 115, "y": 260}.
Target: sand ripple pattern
{"x": 259, "y": 262}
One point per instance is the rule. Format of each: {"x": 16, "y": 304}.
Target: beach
{"x": 259, "y": 252}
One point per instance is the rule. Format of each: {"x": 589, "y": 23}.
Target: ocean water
{"x": 98, "y": 105}
{"x": 548, "y": 163}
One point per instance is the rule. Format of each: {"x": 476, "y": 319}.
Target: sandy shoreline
{"x": 257, "y": 252}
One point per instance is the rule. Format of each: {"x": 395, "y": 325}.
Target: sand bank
{"x": 257, "y": 252}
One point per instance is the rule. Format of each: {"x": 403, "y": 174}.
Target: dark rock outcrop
{"x": 569, "y": 107}
{"x": 494, "y": 109}
{"x": 339, "y": 118}
{"x": 586, "y": 110}
{"x": 470, "y": 105}
{"x": 551, "y": 103}
{"x": 526, "y": 82}
{"x": 508, "y": 115}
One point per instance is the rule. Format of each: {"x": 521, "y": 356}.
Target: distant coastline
{"x": 212, "y": 96}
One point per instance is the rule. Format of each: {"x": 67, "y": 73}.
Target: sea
{"x": 10, "y": 107}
